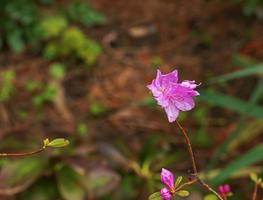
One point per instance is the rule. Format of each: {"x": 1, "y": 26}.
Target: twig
{"x": 254, "y": 196}
{"x": 210, "y": 189}
{"x": 191, "y": 154}
{"x": 190, "y": 150}
{"x": 23, "y": 153}
{"x": 186, "y": 184}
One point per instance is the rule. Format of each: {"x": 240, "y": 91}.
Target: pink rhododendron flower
{"x": 171, "y": 95}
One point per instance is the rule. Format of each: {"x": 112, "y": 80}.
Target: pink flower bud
{"x": 224, "y": 190}
{"x": 165, "y": 194}
{"x": 167, "y": 178}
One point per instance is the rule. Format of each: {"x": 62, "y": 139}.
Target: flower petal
{"x": 164, "y": 80}
{"x": 167, "y": 178}
{"x": 165, "y": 194}
{"x": 184, "y": 103}
{"x": 189, "y": 84}
{"x": 227, "y": 188}
{"x": 172, "y": 112}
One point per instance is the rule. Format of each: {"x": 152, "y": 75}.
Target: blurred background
{"x": 79, "y": 69}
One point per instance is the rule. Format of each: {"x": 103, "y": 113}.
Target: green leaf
{"x": 52, "y": 26}
{"x": 47, "y": 95}
{"x": 232, "y": 103}
{"x": 101, "y": 181}
{"x": 90, "y": 51}
{"x": 178, "y": 181}
{"x": 254, "y": 98}
{"x": 32, "y": 85}
{"x": 85, "y": 14}
{"x": 15, "y": 41}
{"x": 6, "y": 85}
{"x": 249, "y": 132}
{"x": 23, "y": 172}
{"x": 253, "y": 177}
{"x": 51, "y": 50}
{"x": 183, "y": 193}
{"x": 59, "y": 142}
{"x": 155, "y": 196}
{"x": 249, "y": 158}
{"x": 57, "y": 70}
{"x": 243, "y": 61}
{"x": 252, "y": 70}
{"x": 210, "y": 197}
{"x": 69, "y": 184}
{"x": 43, "y": 189}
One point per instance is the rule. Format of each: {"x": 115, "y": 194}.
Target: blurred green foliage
{"x": 73, "y": 44}
{"x": 57, "y": 70}
{"x": 82, "y": 129}
{"x": 52, "y": 26}
{"x": 252, "y": 7}
{"x": 246, "y": 109}
{"x": 97, "y": 109}
{"x": 84, "y": 14}
{"x": 6, "y": 85}
{"x": 46, "y": 96}
{"x": 17, "y": 22}
{"x": 22, "y": 24}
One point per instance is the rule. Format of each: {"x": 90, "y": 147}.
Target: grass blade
{"x": 252, "y": 70}
{"x": 251, "y": 157}
{"x": 232, "y": 103}
{"x": 255, "y": 97}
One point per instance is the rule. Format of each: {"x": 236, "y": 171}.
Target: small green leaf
{"x": 155, "y": 196}
{"x": 57, "y": 70}
{"x": 178, "y": 181}
{"x": 46, "y": 142}
{"x": 183, "y": 193}
{"x": 253, "y": 177}
{"x": 59, "y": 142}
{"x": 210, "y": 197}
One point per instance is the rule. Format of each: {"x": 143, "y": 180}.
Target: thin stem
{"x": 254, "y": 196}
{"x": 186, "y": 184}
{"x": 210, "y": 189}
{"x": 191, "y": 154}
{"x": 190, "y": 149}
{"x": 23, "y": 153}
